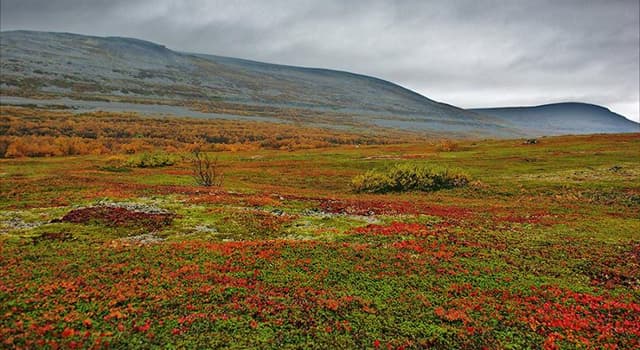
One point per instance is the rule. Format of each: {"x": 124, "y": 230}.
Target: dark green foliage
{"x": 408, "y": 177}
{"x": 150, "y": 160}
{"x": 115, "y": 169}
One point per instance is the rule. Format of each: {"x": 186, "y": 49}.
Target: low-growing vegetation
{"x": 29, "y": 132}
{"x": 542, "y": 255}
{"x": 150, "y": 160}
{"x": 408, "y": 177}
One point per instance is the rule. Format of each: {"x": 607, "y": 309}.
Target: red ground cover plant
{"x": 131, "y": 292}
{"x": 580, "y": 318}
{"x": 505, "y": 271}
{"x": 396, "y": 228}
{"x": 376, "y": 207}
{"x": 115, "y": 216}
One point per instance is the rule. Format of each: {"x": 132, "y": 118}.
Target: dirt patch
{"x": 388, "y": 157}
{"x": 206, "y": 229}
{"x": 314, "y": 212}
{"x": 16, "y": 223}
{"x": 118, "y": 216}
{"x": 53, "y": 236}
{"x": 145, "y": 238}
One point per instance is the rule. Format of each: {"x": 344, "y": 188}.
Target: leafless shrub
{"x": 448, "y": 146}
{"x": 206, "y": 171}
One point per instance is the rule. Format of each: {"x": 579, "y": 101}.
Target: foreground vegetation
{"x": 540, "y": 249}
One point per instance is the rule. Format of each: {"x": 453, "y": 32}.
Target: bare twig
{"x": 206, "y": 172}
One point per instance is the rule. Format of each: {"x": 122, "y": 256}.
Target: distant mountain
{"x": 563, "y": 118}
{"x": 44, "y": 64}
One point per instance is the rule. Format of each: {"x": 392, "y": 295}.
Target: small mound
{"x": 117, "y": 216}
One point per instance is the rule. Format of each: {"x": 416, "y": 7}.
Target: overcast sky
{"x": 469, "y": 53}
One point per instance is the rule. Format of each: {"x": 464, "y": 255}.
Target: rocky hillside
{"x": 51, "y": 65}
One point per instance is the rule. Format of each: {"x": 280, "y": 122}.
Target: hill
{"x": 115, "y": 71}
{"x": 563, "y": 118}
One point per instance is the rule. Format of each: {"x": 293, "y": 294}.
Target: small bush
{"x": 115, "y": 164}
{"x": 150, "y": 160}
{"x": 206, "y": 172}
{"x": 408, "y": 177}
{"x": 448, "y": 146}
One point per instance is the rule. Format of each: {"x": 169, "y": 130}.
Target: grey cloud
{"x": 468, "y": 53}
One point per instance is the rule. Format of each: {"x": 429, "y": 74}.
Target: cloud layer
{"x": 468, "y": 53}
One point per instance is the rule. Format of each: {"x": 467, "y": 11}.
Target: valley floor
{"x": 542, "y": 249}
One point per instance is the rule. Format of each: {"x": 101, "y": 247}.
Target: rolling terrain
{"x": 93, "y": 67}
{"x": 563, "y": 118}
{"x": 109, "y": 69}
{"x": 157, "y": 199}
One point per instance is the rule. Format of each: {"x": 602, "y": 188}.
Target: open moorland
{"x": 107, "y": 240}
